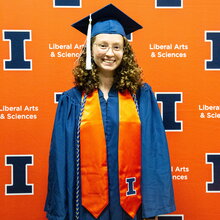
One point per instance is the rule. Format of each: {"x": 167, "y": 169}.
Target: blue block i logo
{"x": 214, "y": 160}
{"x": 19, "y": 176}
{"x": 168, "y": 101}
{"x": 214, "y": 38}
{"x": 168, "y": 3}
{"x": 131, "y": 191}
{"x": 17, "y": 50}
{"x": 67, "y": 4}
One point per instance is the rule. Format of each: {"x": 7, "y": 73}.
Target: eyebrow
{"x": 103, "y": 41}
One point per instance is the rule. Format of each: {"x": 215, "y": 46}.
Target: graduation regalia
{"x": 149, "y": 167}
{"x": 156, "y": 182}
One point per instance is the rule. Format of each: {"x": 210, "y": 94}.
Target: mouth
{"x": 108, "y": 61}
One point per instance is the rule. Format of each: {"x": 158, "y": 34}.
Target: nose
{"x": 110, "y": 52}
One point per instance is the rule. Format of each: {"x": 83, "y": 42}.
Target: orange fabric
{"x": 94, "y": 173}
{"x": 129, "y": 153}
{"x": 93, "y": 156}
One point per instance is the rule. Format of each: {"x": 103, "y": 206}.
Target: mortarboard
{"x": 107, "y": 20}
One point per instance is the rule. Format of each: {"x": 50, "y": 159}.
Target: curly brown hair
{"x": 127, "y": 76}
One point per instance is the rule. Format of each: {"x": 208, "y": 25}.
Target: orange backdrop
{"x": 179, "y": 52}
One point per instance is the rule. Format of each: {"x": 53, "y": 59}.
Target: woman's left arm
{"x": 157, "y": 189}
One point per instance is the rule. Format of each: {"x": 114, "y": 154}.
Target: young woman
{"x": 109, "y": 158}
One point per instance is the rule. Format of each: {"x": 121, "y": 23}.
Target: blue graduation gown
{"x": 156, "y": 182}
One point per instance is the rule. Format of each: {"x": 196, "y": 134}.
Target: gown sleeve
{"x": 157, "y": 189}
{"x": 61, "y": 165}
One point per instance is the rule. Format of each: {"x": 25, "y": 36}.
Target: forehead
{"x": 109, "y": 38}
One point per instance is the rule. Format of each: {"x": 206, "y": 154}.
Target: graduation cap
{"x": 107, "y": 20}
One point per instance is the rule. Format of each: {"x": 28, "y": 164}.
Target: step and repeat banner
{"x": 179, "y": 52}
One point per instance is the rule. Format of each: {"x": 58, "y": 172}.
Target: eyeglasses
{"x": 106, "y": 47}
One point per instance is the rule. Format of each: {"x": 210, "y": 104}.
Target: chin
{"x": 109, "y": 68}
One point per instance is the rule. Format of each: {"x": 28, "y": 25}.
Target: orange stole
{"x": 93, "y": 156}
{"x": 129, "y": 151}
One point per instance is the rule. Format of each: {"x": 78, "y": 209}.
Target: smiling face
{"x": 107, "y": 52}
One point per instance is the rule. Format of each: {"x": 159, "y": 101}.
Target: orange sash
{"x": 93, "y": 156}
